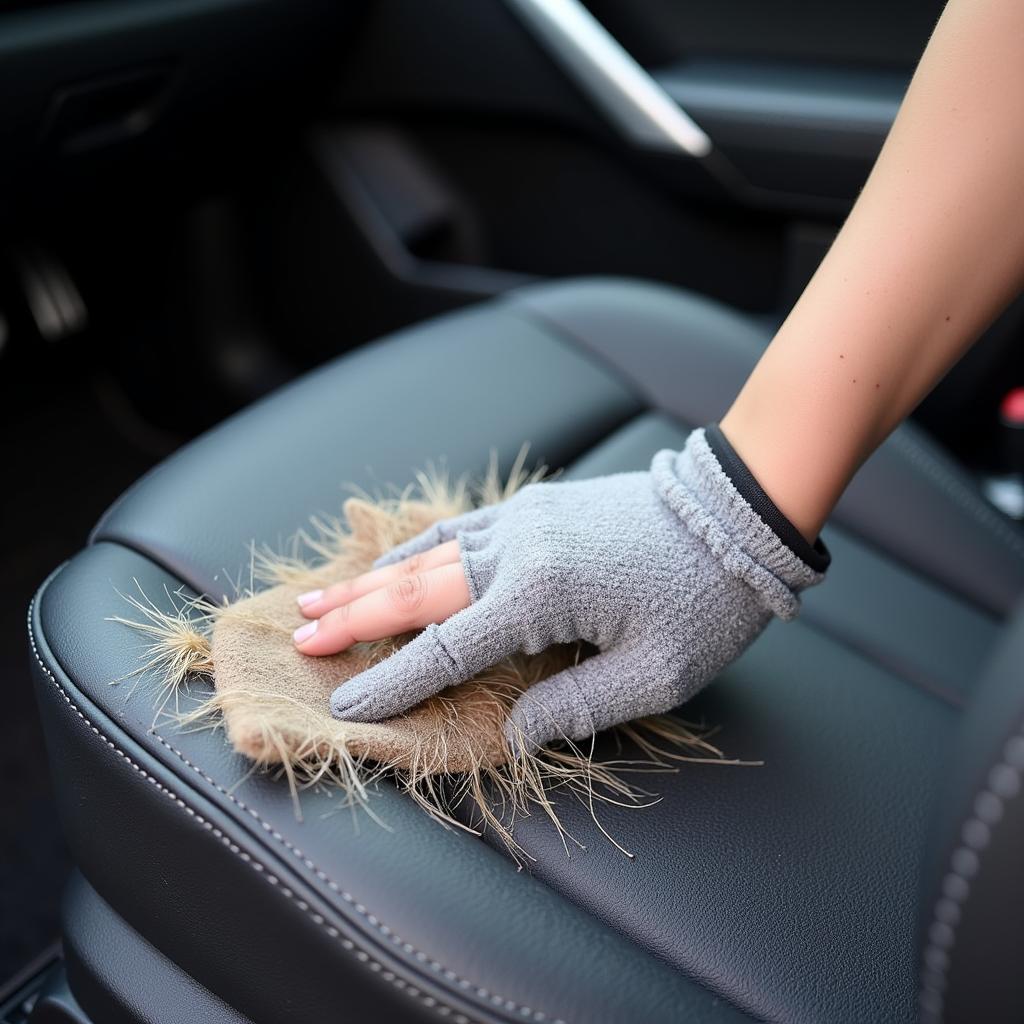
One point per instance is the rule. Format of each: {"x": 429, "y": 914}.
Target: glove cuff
{"x": 693, "y": 484}
{"x": 816, "y": 555}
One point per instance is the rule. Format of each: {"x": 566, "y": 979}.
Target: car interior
{"x": 256, "y": 252}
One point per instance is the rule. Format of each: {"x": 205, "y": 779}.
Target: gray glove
{"x": 671, "y": 574}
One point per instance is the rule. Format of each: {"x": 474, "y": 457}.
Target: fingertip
{"x": 362, "y": 700}
{"x": 521, "y": 742}
{"x": 345, "y": 701}
{"x": 305, "y": 633}
{"x": 523, "y": 733}
{"x": 395, "y": 684}
{"x": 310, "y": 602}
{"x": 318, "y": 608}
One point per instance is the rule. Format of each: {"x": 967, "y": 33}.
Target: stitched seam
{"x": 259, "y": 867}
{"x": 467, "y": 564}
{"x": 570, "y": 674}
{"x": 447, "y": 661}
{"x": 1002, "y": 785}
{"x": 272, "y": 879}
{"x": 958, "y": 491}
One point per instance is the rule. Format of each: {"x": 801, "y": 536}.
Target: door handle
{"x": 615, "y": 83}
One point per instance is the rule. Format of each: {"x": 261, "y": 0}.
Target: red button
{"x": 1011, "y": 409}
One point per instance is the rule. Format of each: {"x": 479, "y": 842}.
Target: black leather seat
{"x": 788, "y": 892}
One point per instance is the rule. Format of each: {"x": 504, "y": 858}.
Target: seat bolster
{"x": 688, "y": 356}
{"x": 289, "y": 920}
{"x": 915, "y": 502}
{"x": 972, "y": 920}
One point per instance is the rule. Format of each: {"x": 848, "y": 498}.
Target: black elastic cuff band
{"x": 815, "y": 555}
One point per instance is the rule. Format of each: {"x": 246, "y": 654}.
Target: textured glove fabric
{"x": 670, "y": 574}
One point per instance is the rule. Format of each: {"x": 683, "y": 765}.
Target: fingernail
{"x": 303, "y": 633}
{"x": 309, "y": 597}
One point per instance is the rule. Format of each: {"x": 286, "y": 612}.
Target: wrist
{"x": 813, "y": 553}
{"x": 792, "y": 472}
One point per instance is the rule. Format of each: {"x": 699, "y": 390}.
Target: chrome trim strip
{"x": 631, "y": 99}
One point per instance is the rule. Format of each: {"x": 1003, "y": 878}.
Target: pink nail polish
{"x": 303, "y": 633}
{"x": 309, "y": 597}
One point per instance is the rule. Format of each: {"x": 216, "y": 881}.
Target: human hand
{"x": 669, "y": 573}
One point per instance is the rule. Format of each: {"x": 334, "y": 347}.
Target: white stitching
{"x": 956, "y": 489}
{"x": 1003, "y": 784}
{"x": 347, "y": 944}
{"x": 406, "y": 947}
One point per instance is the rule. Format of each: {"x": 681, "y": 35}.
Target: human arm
{"x": 932, "y": 250}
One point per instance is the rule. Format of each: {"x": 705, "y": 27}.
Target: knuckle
{"x": 339, "y": 591}
{"x": 406, "y": 595}
{"x": 412, "y": 565}
{"x": 339, "y": 614}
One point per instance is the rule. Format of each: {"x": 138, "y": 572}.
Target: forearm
{"x": 932, "y": 251}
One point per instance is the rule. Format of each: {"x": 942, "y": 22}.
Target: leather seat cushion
{"x": 783, "y": 891}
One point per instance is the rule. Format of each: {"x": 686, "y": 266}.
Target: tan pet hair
{"x": 448, "y": 749}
